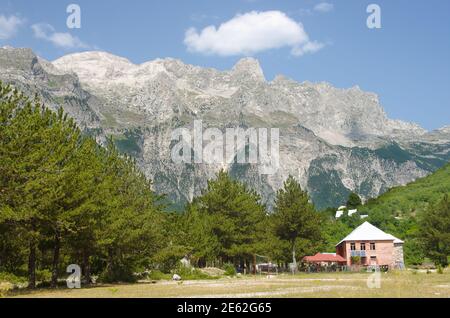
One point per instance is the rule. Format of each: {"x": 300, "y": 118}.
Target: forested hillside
{"x": 415, "y": 197}
{"x": 406, "y": 211}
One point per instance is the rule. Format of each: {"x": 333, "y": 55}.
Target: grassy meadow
{"x": 407, "y": 284}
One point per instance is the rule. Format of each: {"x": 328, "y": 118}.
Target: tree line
{"x": 65, "y": 199}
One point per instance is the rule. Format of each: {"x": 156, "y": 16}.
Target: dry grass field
{"x": 394, "y": 284}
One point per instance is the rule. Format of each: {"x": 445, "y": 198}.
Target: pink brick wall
{"x": 384, "y": 252}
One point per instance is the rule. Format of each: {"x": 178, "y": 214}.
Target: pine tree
{"x": 22, "y": 154}
{"x": 295, "y": 219}
{"x": 435, "y": 232}
{"x": 353, "y": 201}
{"x": 233, "y": 216}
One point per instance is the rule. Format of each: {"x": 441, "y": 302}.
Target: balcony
{"x": 358, "y": 253}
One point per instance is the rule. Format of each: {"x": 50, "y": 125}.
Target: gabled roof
{"x": 396, "y": 240}
{"x": 368, "y": 232}
{"x": 324, "y": 257}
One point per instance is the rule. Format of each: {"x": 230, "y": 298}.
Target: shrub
{"x": 11, "y": 278}
{"x": 168, "y": 258}
{"x": 43, "y": 275}
{"x": 355, "y": 260}
{"x": 189, "y": 273}
{"x": 47, "y": 284}
{"x": 229, "y": 269}
{"x": 117, "y": 274}
{"x": 5, "y": 288}
{"x": 9, "y": 282}
{"x": 158, "y": 275}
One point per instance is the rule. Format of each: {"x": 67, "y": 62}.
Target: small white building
{"x": 339, "y": 214}
{"x": 340, "y": 211}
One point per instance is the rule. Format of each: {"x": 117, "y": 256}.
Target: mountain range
{"x": 333, "y": 141}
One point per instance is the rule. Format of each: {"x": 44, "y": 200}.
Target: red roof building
{"x": 325, "y": 258}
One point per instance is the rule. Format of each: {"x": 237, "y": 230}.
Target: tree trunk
{"x": 32, "y": 265}
{"x": 56, "y": 250}
{"x": 86, "y": 267}
{"x": 294, "y": 261}
{"x": 110, "y": 264}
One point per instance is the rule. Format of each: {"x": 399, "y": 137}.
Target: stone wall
{"x": 398, "y": 261}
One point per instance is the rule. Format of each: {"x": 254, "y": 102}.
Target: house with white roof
{"x": 368, "y": 245}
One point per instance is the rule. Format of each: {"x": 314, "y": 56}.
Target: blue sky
{"x": 406, "y": 62}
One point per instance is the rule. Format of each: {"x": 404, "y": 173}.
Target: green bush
{"x": 117, "y": 274}
{"x": 414, "y": 252}
{"x": 10, "y": 282}
{"x": 168, "y": 258}
{"x": 229, "y": 269}
{"x": 11, "y": 278}
{"x": 190, "y": 273}
{"x": 43, "y": 275}
{"x": 158, "y": 275}
{"x": 355, "y": 260}
{"x": 47, "y": 284}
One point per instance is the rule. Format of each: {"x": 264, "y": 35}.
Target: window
{"x": 363, "y": 246}
{"x": 352, "y": 246}
{"x": 372, "y": 246}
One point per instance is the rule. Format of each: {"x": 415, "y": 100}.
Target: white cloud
{"x": 324, "y": 7}
{"x": 46, "y": 32}
{"x": 9, "y": 26}
{"x": 250, "y": 33}
{"x": 310, "y": 47}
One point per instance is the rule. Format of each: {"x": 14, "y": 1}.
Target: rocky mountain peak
{"x": 17, "y": 58}
{"x": 445, "y": 129}
{"x": 282, "y": 80}
{"x": 249, "y": 67}
{"x": 93, "y": 56}
{"x": 94, "y": 66}
{"x": 334, "y": 140}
